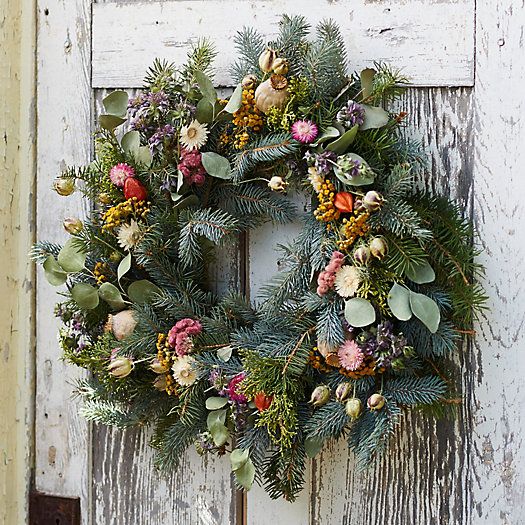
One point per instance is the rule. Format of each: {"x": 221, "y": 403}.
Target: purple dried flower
{"x": 351, "y": 115}
{"x": 163, "y": 135}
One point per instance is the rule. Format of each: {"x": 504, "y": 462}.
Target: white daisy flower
{"x": 128, "y": 235}
{"x": 347, "y": 281}
{"x": 194, "y": 135}
{"x": 183, "y": 372}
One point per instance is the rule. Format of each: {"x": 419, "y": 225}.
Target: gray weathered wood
{"x": 498, "y": 366}
{"x": 62, "y": 437}
{"x": 431, "y": 39}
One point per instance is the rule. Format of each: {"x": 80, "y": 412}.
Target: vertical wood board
{"x": 431, "y": 39}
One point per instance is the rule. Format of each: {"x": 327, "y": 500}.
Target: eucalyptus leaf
{"x": 217, "y": 165}
{"x": 204, "y": 113}
{"x": 367, "y": 82}
{"x": 239, "y": 457}
{"x": 85, "y": 295}
{"x": 185, "y": 202}
{"x": 342, "y": 144}
{"x": 359, "y": 312}
{"x": 143, "y": 291}
{"x": 110, "y": 122}
{"x": 421, "y": 273}
{"x": 206, "y": 87}
{"x": 219, "y": 432}
{"x": 55, "y": 274}
{"x": 130, "y": 142}
{"x": 245, "y": 475}
{"x": 235, "y": 101}
{"x": 225, "y": 353}
{"x": 71, "y": 257}
{"x": 214, "y": 403}
{"x": 426, "y": 310}
{"x": 330, "y": 133}
{"x": 375, "y": 117}
{"x": 214, "y": 416}
{"x": 399, "y": 302}
{"x": 359, "y": 180}
{"x": 143, "y": 155}
{"x": 313, "y": 445}
{"x": 116, "y": 103}
{"x": 124, "y": 266}
{"x": 111, "y": 294}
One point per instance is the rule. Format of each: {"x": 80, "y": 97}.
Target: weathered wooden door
{"x": 462, "y": 472}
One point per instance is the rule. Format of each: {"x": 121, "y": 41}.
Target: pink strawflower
{"x": 179, "y": 337}
{"x": 350, "y": 355}
{"x": 326, "y": 279}
{"x": 304, "y": 131}
{"x": 119, "y": 173}
{"x": 233, "y": 389}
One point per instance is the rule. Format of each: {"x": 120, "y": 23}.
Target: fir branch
{"x": 415, "y": 390}
{"x": 249, "y": 45}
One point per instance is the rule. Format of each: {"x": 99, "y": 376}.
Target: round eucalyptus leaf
{"x": 214, "y": 416}
{"x": 204, "y": 113}
{"x": 342, "y": 144}
{"x": 206, "y": 87}
{"x": 426, "y": 310}
{"x": 110, "y": 122}
{"x": 116, "y": 103}
{"x": 399, "y": 302}
{"x": 143, "y": 291}
{"x": 235, "y": 101}
{"x": 239, "y": 457}
{"x": 421, "y": 274}
{"x": 313, "y": 445}
{"x": 374, "y": 118}
{"x": 359, "y": 180}
{"x": 217, "y": 165}
{"x": 111, "y": 294}
{"x": 85, "y": 295}
{"x": 55, "y": 274}
{"x": 330, "y": 133}
{"x": 245, "y": 475}
{"x": 219, "y": 432}
{"x": 225, "y": 353}
{"x": 359, "y": 312}
{"x": 71, "y": 257}
{"x": 130, "y": 142}
{"x": 214, "y": 403}
{"x": 143, "y": 155}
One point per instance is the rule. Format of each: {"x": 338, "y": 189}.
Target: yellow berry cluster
{"x": 317, "y": 361}
{"x": 368, "y": 368}
{"x": 101, "y": 272}
{"x": 118, "y": 214}
{"x": 326, "y": 211}
{"x": 246, "y": 118}
{"x": 165, "y": 357}
{"x": 354, "y": 227}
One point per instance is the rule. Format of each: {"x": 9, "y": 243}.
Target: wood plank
{"x": 63, "y": 444}
{"x": 498, "y": 451}
{"x": 127, "y": 488}
{"x": 431, "y": 39}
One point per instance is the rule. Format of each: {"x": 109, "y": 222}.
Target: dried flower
{"x": 64, "y": 186}
{"x": 194, "y": 135}
{"x": 234, "y": 391}
{"x": 73, "y": 225}
{"x": 190, "y": 165}
{"x": 180, "y": 335}
{"x": 350, "y": 355}
{"x": 315, "y": 179}
{"x": 119, "y": 173}
{"x": 376, "y": 402}
{"x": 183, "y": 371}
{"x": 353, "y": 407}
{"x": 347, "y": 281}
{"x": 121, "y": 324}
{"x": 304, "y": 131}
{"x": 129, "y": 235}
{"x": 372, "y": 200}
{"x": 277, "y": 183}
{"x": 266, "y": 59}
{"x": 120, "y": 367}
{"x": 326, "y": 279}
{"x": 362, "y": 255}
{"x": 351, "y": 114}
{"x": 378, "y": 247}
{"x": 320, "y": 396}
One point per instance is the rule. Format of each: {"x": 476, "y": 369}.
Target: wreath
{"x": 375, "y": 294}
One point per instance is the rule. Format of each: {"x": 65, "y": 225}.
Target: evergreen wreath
{"x": 378, "y": 289}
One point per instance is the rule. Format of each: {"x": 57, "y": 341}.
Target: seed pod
{"x": 362, "y": 255}
{"x": 280, "y": 66}
{"x": 376, "y": 402}
{"x": 277, "y": 183}
{"x": 249, "y": 81}
{"x": 266, "y": 59}
{"x": 160, "y": 383}
{"x": 73, "y": 225}
{"x": 115, "y": 257}
{"x": 320, "y": 396}
{"x": 378, "y": 247}
{"x": 271, "y": 93}
{"x": 121, "y": 324}
{"x": 344, "y": 202}
{"x": 120, "y": 367}
{"x": 358, "y": 205}
{"x": 372, "y": 200}
{"x": 353, "y": 407}
{"x": 158, "y": 367}
{"x": 64, "y": 186}
{"x": 134, "y": 188}
{"x": 343, "y": 391}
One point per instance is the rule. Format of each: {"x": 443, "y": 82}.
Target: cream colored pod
{"x": 272, "y": 93}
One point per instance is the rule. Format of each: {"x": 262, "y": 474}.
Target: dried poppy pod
{"x": 272, "y": 93}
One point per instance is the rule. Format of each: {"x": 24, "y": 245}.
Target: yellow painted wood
{"x": 17, "y": 175}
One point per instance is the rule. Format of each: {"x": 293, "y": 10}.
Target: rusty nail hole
{"x": 501, "y": 42}
{"x": 46, "y": 11}
{"x": 156, "y": 22}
